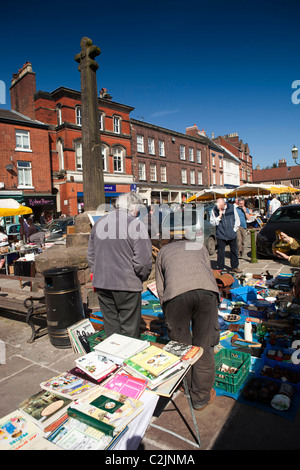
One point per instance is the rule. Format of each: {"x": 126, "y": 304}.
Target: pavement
{"x": 226, "y": 424}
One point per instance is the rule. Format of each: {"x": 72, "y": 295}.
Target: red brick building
{"x": 25, "y": 170}
{"x": 60, "y": 110}
{"x": 283, "y": 174}
{"x": 235, "y": 145}
{"x": 167, "y": 166}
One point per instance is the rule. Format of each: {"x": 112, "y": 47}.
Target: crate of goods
{"x": 232, "y": 369}
{"x": 275, "y": 365}
{"x": 244, "y": 294}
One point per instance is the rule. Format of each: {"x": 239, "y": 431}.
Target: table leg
{"x": 187, "y": 392}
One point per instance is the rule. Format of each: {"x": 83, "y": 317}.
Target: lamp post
{"x": 295, "y": 154}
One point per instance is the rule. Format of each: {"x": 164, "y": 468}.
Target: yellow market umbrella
{"x": 10, "y": 207}
{"x": 281, "y": 189}
{"x": 208, "y": 194}
{"x": 250, "y": 190}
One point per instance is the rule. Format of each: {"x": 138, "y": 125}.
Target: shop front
{"x": 42, "y": 203}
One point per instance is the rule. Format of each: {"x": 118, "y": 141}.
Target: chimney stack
{"x": 22, "y": 90}
{"x": 282, "y": 163}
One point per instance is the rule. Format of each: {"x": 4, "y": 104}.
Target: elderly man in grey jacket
{"x": 120, "y": 258}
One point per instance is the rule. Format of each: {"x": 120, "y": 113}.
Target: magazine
{"x": 17, "y": 431}
{"x": 78, "y": 334}
{"x": 126, "y": 384}
{"x": 186, "y": 352}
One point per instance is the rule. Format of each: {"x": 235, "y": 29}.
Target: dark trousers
{"x": 234, "y": 258}
{"x": 121, "y": 312}
{"x": 192, "y": 318}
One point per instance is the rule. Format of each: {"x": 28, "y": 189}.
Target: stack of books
{"x": 106, "y": 410}
{"x": 96, "y": 365}
{"x": 118, "y": 348}
{"x": 155, "y": 365}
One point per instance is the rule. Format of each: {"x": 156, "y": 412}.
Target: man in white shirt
{"x": 274, "y": 204}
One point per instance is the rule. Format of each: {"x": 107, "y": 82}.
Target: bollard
{"x": 253, "y": 248}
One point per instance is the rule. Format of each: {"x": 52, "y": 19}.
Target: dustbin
{"x": 63, "y": 304}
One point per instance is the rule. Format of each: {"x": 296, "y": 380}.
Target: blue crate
{"x": 244, "y": 294}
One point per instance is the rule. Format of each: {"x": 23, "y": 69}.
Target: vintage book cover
{"x": 78, "y": 334}
{"x": 119, "y": 347}
{"x": 68, "y": 385}
{"x": 44, "y": 407}
{"x": 126, "y": 385}
{"x": 17, "y": 431}
{"x": 80, "y": 373}
{"x": 106, "y": 410}
{"x": 155, "y": 360}
{"x": 75, "y": 435}
{"x": 95, "y": 364}
{"x": 186, "y": 352}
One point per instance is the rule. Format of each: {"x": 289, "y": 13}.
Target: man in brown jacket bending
{"x": 189, "y": 297}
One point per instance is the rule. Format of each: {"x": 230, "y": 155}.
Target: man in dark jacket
{"x": 225, "y": 217}
{"x": 120, "y": 258}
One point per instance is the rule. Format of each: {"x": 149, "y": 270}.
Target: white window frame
{"x": 191, "y": 154}
{"x": 117, "y": 124}
{"x": 118, "y": 160}
{"x": 22, "y": 141}
{"x": 140, "y": 143}
{"x": 199, "y": 156}
{"x": 60, "y": 151}
{"x": 104, "y": 152}
{"x": 163, "y": 174}
{"x": 78, "y": 155}
{"x": 192, "y": 177}
{"x": 142, "y": 171}
{"x": 101, "y": 121}
{"x": 59, "y": 116}
{"x": 182, "y": 152}
{"x": 153, "y": 172}
{"x": 151, "y": 146}
{"x": 24, "y": 170}
{"x": 78, "y": 115}
{"x": 183, "y": 176}
{"x": 161, "y": 148}
{"x": 200, "y": 177}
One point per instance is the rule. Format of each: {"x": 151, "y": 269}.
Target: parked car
{"x": 13, "y": 231}
{"x": 57, "y": 228}
{"x": 192, "y": 220}
{"x": 287, "y": 220}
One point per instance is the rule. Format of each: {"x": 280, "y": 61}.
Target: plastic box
{"x": 244, "y": 294}
{"x": 232, "y": 358}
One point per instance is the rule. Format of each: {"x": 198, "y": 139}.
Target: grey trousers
{"x": 192, "y": 318}
{"x": 121, "y": 312}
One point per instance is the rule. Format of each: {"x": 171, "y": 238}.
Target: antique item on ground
{"x": 280, "y": 245}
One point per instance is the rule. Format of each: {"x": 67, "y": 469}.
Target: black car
{"x": 286, "y": 219}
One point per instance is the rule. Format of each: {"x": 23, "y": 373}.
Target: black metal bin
{"x": 63, "y": 304}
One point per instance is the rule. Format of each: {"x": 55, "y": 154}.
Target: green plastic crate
{"x": 231, "y": 382}
{"x": 96, "y": 339}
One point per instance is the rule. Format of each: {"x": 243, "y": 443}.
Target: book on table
{"x": 108, "y": 411}
{"x": 152, "y": 380}
{"x": 119, "y": 347}
{"x": 44, "y": 407}
{"x": 68, "y": 385}
{"x": 155, "y": 360}
{"x": 79, "y": 333}
{"x": 17, "y": 431}
{"x": 96, "y": 365}
{"x": 126, "y": 384}
{"x": 186, "y": 352}
{"x": 80, "y": 373}
{"x": 75, "y": 435}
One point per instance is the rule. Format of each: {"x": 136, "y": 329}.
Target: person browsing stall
{"x": 225, "y": 218}
{"x": 189, "y": 297}
{"x": 120, "y": 259}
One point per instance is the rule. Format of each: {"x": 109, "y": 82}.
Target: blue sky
{"x": 226, "y": 66}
